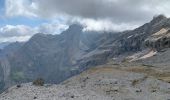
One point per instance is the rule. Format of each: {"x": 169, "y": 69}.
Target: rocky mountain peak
{"x": 157, "y": 19}
{"x": 75, "y": 26}
{"x": 39, "y": 35}
{"x": 73, "y": 29}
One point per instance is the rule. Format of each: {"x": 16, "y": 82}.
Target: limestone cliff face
{"x": 147, "y": 34}
{"x": 47, "y": 56}
{"x": 2, "y": 84}
{"x": 152, "y": 35}
{"x": 6, "y": 70}
{"x": 159, "y": 40}
{"x": 5, "y": 66}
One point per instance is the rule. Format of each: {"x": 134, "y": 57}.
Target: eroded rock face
{"x": 155, "y": 34}
{"x": 159, "y": 40}
{"x": 2, "y": 84}
{"x": 54, "y": 57}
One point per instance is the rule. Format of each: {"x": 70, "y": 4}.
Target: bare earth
{"x": 108, "y": 82}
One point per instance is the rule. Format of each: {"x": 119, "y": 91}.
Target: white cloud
{"x": 113, "y": 14}
{"x": 11, "y": 33}
{"x": 14, "y": 39}
{"x": 18, "y": 30}
{"x": 105, "y": 25}
{"x": 98, "y": 15}
{"x": 20, "y": 8}
{"x": 51, "y": 28}
{"x": 117, "y": 10}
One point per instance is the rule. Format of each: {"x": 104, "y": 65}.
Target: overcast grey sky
{"x": 23, "y": 18}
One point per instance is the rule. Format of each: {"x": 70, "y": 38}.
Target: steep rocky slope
{"x": 108, "y": 82}
{"x": 1, "y": 78}
{"x": 51, "y": 57}
{"x": 5, "y": 68}
{"x": 3, "y": 44}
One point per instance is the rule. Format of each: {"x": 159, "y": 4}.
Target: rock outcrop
{"x": 159, "y": 40}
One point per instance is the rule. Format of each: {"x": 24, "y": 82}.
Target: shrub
{"x": 134, "y": 82}
{"x": 18, "y": 86}
{"x": 38, "y": 82}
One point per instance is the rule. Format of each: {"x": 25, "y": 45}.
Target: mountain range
{"x": 56, "y": 58}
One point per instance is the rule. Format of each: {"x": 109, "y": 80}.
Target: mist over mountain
{"x": 52, "y": 57}
{"x": 3, "y": 44}
{"x": 84, "y": 50}
{"x": 56, "y": 58}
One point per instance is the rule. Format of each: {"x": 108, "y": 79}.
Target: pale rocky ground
{"x": 109, "y": 82}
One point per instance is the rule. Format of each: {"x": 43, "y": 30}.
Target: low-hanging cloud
{"x": 12, "y": 33}
{"x": 119, "y": 11}
{"x": 108, "y": 15}
{"x": 132, "y": 12}
{"x": 106, "y": 25}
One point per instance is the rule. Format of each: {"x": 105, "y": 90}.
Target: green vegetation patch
{"x": 17, "y": 76}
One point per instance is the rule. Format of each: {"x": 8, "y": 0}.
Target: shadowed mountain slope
{"x": 58, "y": 57}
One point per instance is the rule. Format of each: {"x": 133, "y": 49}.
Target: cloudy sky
{"x": 20, "y": 19}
